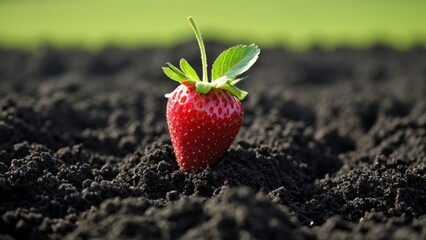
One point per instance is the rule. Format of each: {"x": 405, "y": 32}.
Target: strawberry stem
{"x": 202, "y": 48}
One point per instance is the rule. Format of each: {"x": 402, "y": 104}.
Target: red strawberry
{"x": 202, "y": 126}
{"x": 204, "y": 117}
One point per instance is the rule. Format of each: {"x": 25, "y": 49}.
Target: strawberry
{"x": 205, "y": 116}
{"x": 202, "y": 126}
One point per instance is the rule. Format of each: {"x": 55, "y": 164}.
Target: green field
{"x": 297, "y": 24}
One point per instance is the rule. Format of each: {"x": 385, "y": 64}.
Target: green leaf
{"x": 235, "y": 81}
{"x": 220, "y": 81}
{"x": 171, "y": 66}
{"x": 188, "y": 70}
{"x": 203, "y": 87}
{"x": 240, "y": 94}
{"x": 235, "y": 61}
{"x": 174, "y": 75}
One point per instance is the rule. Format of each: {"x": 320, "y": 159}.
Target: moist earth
{"x": 333, "y": 146}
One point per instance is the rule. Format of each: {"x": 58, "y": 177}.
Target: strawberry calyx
{"x": 225, "y": 70}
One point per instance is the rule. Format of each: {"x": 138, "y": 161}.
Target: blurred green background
{"x": 94, "y": 24}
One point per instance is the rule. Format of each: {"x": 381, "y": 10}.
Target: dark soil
{"x": 333, "y": 146}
